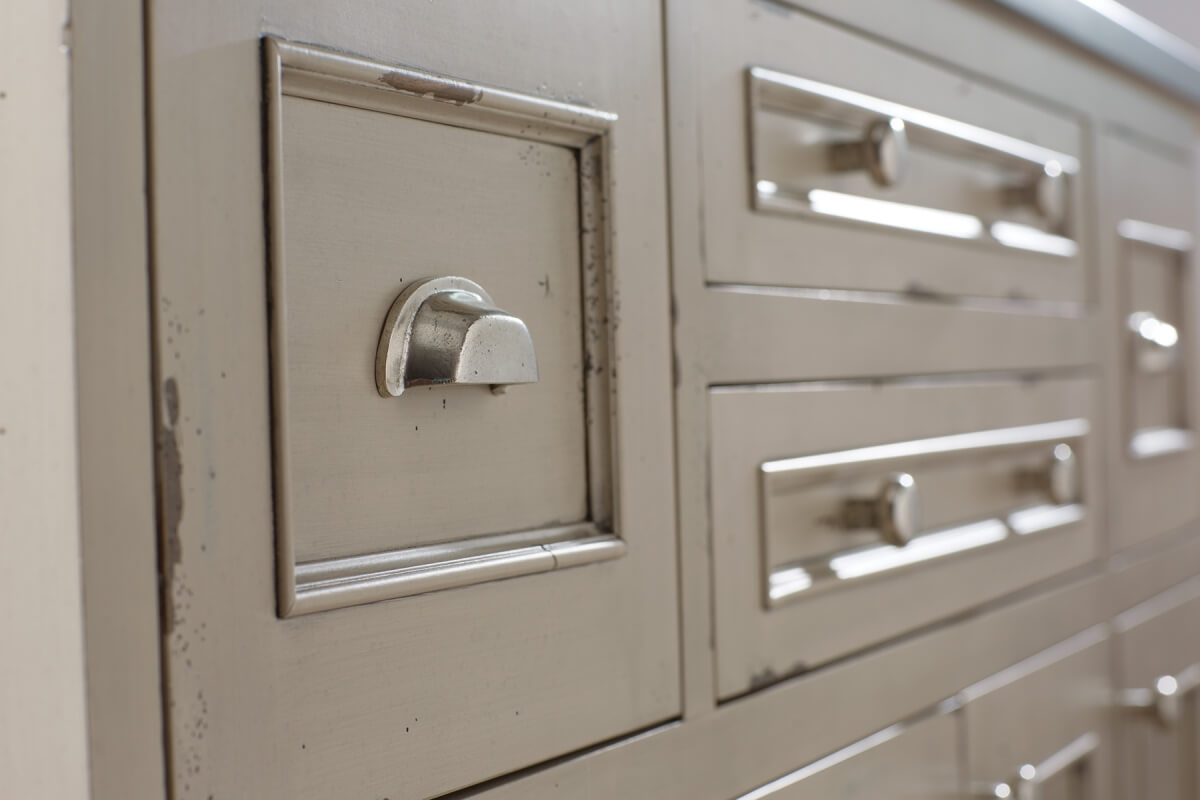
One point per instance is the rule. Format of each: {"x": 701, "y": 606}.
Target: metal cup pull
{"x": 447, "y": 330}
{"x": 1156, "y": 343}
{"x": 1162, "y": 702}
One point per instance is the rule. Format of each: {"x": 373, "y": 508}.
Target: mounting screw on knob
{"x": 882, "y": 152}
{"x": 894, "y": 511}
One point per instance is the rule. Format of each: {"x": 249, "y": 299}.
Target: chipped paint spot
{"x": 170, "y": 495}
{"x": 443, "y": 89}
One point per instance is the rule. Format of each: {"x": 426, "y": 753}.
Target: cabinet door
{"x": 1147, "y": 229}
{"x": 1040, "y": 728}
{"x": 1158, "y": 672}
{"x": 418, "y": 527}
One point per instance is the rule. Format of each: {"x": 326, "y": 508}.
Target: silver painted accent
{"x": 447, "y": 330}
{"x": 1059, "y": 477}
{"x": 770, "y": 197}
{"x": 1151, "y": 442}
{"x": 882, "y": 152}
{"x": 339, "y": 582}
{"x": 955, "y": 443}
{"x": 792, "y": 94}
{"x": 895, "y": 511}
{"x": 1164, "y": 699}
{"x": 1129, "y": 40}
{"x": 1031, "y": 777}
{"x": 1155, "y": 342}
{"x": 1135, "y": 230}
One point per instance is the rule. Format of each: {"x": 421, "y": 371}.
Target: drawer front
{"x": 873, "y": 170}
{"x": 417, "y": 536}
{"x": 914, "y": 761}
{"x": 823, "y": 516}
{"x": 1040, "y": 728}
{"x": 1149, "y": 223}
{"x": 1157, "y": 675}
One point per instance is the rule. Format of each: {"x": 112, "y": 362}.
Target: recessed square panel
{"x": 463, "y": 241}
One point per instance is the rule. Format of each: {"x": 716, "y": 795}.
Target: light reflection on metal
{"x": 1027, "y": 237}
{"x": 895, "y": 215}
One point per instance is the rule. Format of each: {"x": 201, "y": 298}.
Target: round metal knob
{"x": 1156, "y": 342}
{"x": 882, "y": 152}
{"x": 1059, "y": 476}
{"x": 894, "y": 511}
{"x": 1046, "y": 193}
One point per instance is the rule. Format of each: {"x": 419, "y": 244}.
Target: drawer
{"x": 831, "y": 501}
{"x": 915, "y": 760}
{"x": 1149, "y": 219}
{"x": 866, "y": 169}
{"x": 471, "y": 542}
{"x": 1040, "y": 728}
{"x": 1157, "y": 675}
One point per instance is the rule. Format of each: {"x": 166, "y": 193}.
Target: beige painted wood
{"x": 423, "y": 695}
{"x": 1138, "y": 573}
{"x": 735, "y": 334}
{"x": 743, "y": 245}
{"x": 116, "y": 457}
{"x": 373, "y": 202}
{"x": 1158, "y": 637}
{"x": 758, "y": 645}
{"x": 43, "y": 715}
{"x": 914, "y": 761}
{"x": 1156, "y": 494}
{"x": 757, "y": 738}
{"x": 1036, "y": 709}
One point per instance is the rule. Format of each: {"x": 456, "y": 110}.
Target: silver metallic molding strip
{"x": 315, "y": 73}
{"x": 783, "y": 92}
{"x": 938, "y": 445}
{"x": 340, "y": 582}
{"x": 1175, "y": 239}
{"x": 1112, "y": 31}
{"x": 787, "y": 583}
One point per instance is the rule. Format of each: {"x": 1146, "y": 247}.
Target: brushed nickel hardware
{"x": 882, "y": 152}
{"x": 1059, "y": 477}
{"x": 1046, "y": 192}
{"x": 448, "y": 330}
{"x": 1163, "y": 701}
{"x": 894, "y": 511}
{"x": 1028, "y": 782}
{"x": 1156, "y": 342}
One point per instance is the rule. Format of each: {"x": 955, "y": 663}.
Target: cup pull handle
{"x": 448, "y": 331}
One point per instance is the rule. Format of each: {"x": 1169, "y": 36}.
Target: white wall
{"x": 42, "y": 716}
